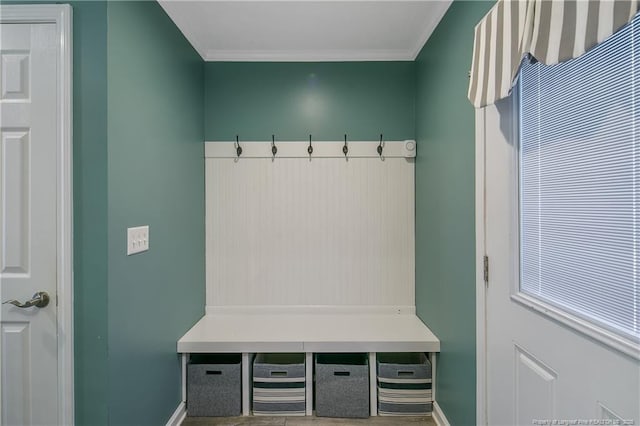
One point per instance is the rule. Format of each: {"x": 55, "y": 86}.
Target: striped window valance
{"x": 551, "y": 31}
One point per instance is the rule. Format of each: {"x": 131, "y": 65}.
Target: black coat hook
{"x": 345, "y": 148}
{"x": 310, "y": 148}
{"x": 380, "y": 147}
{"x": 274, "y": 148}
{"x": 238, "y": 148}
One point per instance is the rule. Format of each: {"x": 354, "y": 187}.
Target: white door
{"x": 28, "y": 217}
{"x": 537, "y": 369}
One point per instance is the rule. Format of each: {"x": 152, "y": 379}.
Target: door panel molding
{"x": 61, "y": 16}
{"x": 535, "y": 381}
{"x": 14, "y": 163}
{"x": 14, "y": 335}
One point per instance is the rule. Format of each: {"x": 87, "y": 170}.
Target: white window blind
{"x": 580, "y": 183}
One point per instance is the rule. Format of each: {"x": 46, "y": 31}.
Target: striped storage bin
{"x": 279, "y": 385}
{"x": 404, "y": 384}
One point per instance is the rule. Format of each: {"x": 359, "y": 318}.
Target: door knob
{"x": 39, "y": 300}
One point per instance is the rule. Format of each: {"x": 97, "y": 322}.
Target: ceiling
{"x": 327, "y": 30}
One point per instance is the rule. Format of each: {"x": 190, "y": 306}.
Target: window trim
{"x": 552, "y": 312}
{"x": 600, "y": 334}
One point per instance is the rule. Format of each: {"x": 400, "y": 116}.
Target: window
{"x": 580, "y": 183}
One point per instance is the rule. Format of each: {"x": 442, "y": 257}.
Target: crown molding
{"x": 307, "y": 56}
{"x": 430, "y": 28}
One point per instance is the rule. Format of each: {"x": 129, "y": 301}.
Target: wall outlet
{"x": 137, "y": 239}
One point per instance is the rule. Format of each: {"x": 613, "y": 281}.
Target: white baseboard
{"x": 438, "y": 415}
{"x": 181, "y": 412}
{"x": 310, "y": 309}
{"x": 178, "y": 416}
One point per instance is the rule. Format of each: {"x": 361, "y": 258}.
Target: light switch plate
{"x": 137, "y": 239}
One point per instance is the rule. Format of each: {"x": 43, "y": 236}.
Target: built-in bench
{"x": 329, "y": 235}
{"x": 248, "y": 332}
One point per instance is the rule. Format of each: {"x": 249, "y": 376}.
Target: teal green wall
{"x": 445, "y": 205}
{"x": 138, "y": 108}
{"x": 155, "y": 178}
{"x": 90, "y": 266}
{"x": 90, "y": 210}
{"x": 137, "y": 159}
{"x": 293, "y": 100}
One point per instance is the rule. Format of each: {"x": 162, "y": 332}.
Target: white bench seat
{"x": 250, "y": 332}
{"x": 309, "y": 333}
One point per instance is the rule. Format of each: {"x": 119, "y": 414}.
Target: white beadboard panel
{"x": 294, "y": 232}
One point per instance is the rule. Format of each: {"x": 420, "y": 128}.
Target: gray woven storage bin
{"x": 342, "y": 385}
{"x": 404, "y": 384}
{"x": 214, "y": 385}
{"x": 279, "y": 384}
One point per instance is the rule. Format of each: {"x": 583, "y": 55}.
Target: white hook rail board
{"x": 321, "y": 149}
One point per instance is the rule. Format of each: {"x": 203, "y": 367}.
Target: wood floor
{"x": 306, "y": 421}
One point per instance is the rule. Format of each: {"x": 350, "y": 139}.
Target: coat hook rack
{"x": 380, "y": 148}
{"x": 345, "y": 148}
{"x": 238, "y": 149}
{"x": 310, "y": 148}
{"x": 274, "y": 148}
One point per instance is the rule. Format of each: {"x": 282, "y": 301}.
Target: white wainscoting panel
{"x": 298, "y": 232}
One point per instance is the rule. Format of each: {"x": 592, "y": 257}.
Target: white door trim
{"x": 61, "y": 16}
{"x": 481, "y": 350}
